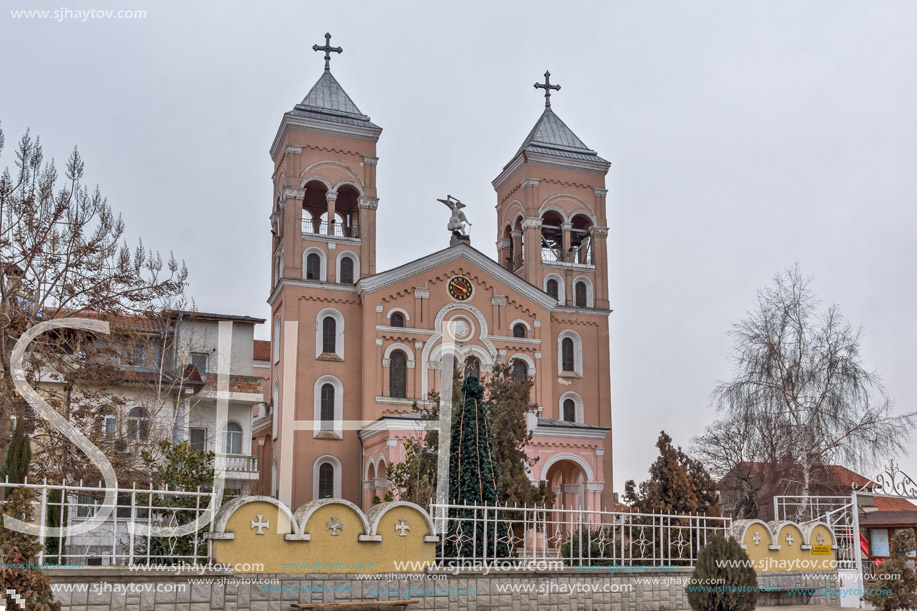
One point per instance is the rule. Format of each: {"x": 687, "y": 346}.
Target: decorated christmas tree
{"x": 473, "y": 481}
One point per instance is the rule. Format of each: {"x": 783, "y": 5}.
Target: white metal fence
{"x": 836, "y": 511}
{"x": 118, "y": 540}
{"x": 518, "y": 536}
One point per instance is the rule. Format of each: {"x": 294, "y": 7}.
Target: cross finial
{"x": 547, "y": 86}
{"x": 328, "y": 49}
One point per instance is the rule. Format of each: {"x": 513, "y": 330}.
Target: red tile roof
{"x": 262, "y": 350}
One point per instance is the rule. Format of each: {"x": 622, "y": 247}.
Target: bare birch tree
{"x": 801, "y": 392}
{"x": 63, "y": 253}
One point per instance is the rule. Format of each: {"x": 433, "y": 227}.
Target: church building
{"x": 353, "y": 347}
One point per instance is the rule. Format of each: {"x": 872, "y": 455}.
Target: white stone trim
{"x": 571, "y": 457}
{"x": 401, "y": 311}
{"x": 334, "y": 462}
{"x": 561, "y": 288}
{"x": 577, "y": 406}
{"x": 323, "y": 269}
{"x": 338, "y": 328}
{"x": 337, "y": 428}
{"x": 356, "y": 266}
{"x": 523, "y": 357}
{"x": 524, "y": 323}
{"x": 577, "y": 352}
{"x": 590, "y": 295}
{"x": 386, "y": 358}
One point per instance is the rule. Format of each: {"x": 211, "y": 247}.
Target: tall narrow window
{"x": 569, "y": 410}
{"x": 346, "y": 271}
{"x": 109, "y": 423}
{"x": 551, "y": 287}
{"x": 232, "y": 438}
{"x": 138, "y": 424}
{"x": 197, "y": 439}
{"x": 398, "y": 374}
{"x": 579, "y": 292}
{"x": 519, "y": 330}
{"x": 566, "y": 350}
{"x": 314, "y": 267}
{"x": 329, "y": 335}
{"x": 397, "y": 319}
{"x": 326, "y": 481}
{"x": 520, "y": 371}
{"x": 473, "y": 367}
{"x": 327, "y": 409}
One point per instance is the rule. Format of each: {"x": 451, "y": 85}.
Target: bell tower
{"x": 551, "y": 219}
{"x": 323, "y": 223}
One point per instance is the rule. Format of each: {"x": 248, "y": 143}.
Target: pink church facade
{"x": 353, "y": 347}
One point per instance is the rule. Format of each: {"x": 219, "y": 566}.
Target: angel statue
{"x": 458, "y": 220}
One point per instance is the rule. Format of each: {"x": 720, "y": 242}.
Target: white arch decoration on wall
{"x": 524, "y": 323}
{"x": 577, "y": 406}
{"x": 338, "y": 330}
{"x": 571, "y": 457}
{"x": 356, "y": 265}
{"x": 338, "y": 424}
{"x": 314, "y": 178}
{"x": 401, "y": 311}
{"x": 334, "y": 462}
{"x": 590, "y": 296}
{"x": 398, "y": 346}
{"x": 337, "y": 164}
{"x": 323, "y": 264}
{"x": 524, "y": 358}
{"x": 483, "y": 334}
{"x": 547, "y": 205}
{"x": 561, "y": 288}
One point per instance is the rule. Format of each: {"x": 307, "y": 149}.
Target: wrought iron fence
{"x": 117, "y": 540}
{"x": 474, "y": 535}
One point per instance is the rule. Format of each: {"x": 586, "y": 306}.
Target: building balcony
{"x": 336, "y": 230}
{"x": 237, "y": 466}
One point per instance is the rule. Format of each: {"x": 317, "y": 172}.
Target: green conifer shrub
{"x": 723, "y": 578}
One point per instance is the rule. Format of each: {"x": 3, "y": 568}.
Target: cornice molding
{"x": 291, "y": 121}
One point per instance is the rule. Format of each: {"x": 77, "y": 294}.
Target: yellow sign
{"x": 821, "y": 550}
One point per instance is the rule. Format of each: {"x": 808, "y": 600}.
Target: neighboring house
{"x": 163, "y": 387}
{"x": 262, "y": 417}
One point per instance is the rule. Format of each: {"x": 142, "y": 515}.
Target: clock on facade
{"x": 460, "y": 288}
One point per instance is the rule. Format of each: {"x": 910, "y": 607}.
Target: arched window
{"x": 326, "y": 481}
{"x": 346, "y": 271}
{"x": 473, "y": 367}
{"x": 398, "y": 375}
{"x": 327, "y": 410}
{"x": 314, "y": 267}
{"x": 569, "y": 414}
{"x": 232, "y": 438}
{"x": 397, "y": 319}
{"x": 551, "y": 288}
{"x": 138, "y": 424}
{"x": 329, "y": 335}
{"x": 566, "y": 355}
{"x": 519, "y": 330}
{"x": 580, "y": 293}
{"x": 520, "y": 371}
{"x": 327, "y": 407}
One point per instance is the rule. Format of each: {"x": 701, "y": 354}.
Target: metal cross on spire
{"x": 328, "y": 49}
{"x": 547, "y": 86}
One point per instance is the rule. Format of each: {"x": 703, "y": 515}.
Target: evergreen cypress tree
{"x": 18, "y": 455}
{"x": 723, "y": 562}
{"x": 472, "y": 480}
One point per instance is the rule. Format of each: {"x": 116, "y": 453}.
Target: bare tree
{"x": 62, "y": 253}
{"x": 801, "y": 394}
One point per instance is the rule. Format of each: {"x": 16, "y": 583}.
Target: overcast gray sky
{"x": 744, "y": 136}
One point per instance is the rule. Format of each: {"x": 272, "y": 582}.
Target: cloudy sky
{"x": 744, "y": 136}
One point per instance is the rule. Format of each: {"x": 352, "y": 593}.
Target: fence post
{"x": 133, "y": 524}
{"x": 43, "y": 513}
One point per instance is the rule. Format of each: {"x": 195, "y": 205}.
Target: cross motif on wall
{"x": 547, "y": 86}
{"x": 261, "y": 524}
{"x": 757, "y": 538}
{"x": 334, "y": 526}
{"x": 820, "y": 538}
{"x": 789, "y": 539}
{"x": 402, "y": 526}
{"x": 328, "y": 49}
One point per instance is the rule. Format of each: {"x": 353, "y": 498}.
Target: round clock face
{"x": 460, "y": 288}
